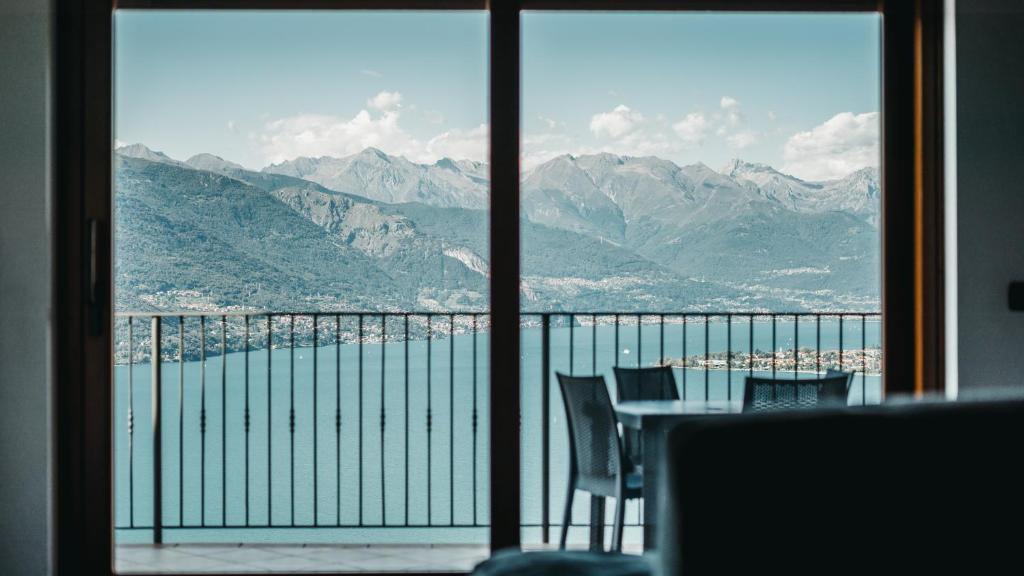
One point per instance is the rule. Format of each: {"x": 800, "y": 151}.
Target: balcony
{"x": 346, "y": 441}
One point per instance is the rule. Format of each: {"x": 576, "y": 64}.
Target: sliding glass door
{"x": 700, "y": 191}
{"x": 301, "y": 296}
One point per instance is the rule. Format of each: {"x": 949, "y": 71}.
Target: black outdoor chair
{"x": 657, "y": 383}
{"x": 597, "y": 463}
{"x": 832, "y": 373}
{"x": 762, "y": 394}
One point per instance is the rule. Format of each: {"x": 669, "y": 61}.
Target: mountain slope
{"x": 772, "y": 235}
{"x": 144, "y": 153}
{"x": 378, "y": 176}
{"x": 565, "y": 270}
{"x": 182, "y": 231}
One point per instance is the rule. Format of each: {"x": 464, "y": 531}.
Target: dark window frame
{"x": 912, "y": 242}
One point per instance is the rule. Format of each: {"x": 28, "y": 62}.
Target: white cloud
{"x": 772, "y": 115}
{"x": 617, "y": 123}
{"x": 322, "y": 135}
{"x": 728, "y": 123}
{"x": 733, "y": 114}
{"x": 326, "y": 135}
{"x": 385, "y": 101}
{"x": 232, "y": 127}
{"x": 371, "y": 73}
{"x": 693, "y": 129}
{"x": 460, "y": 144}
{"x": 741, "y": 140}
{"x": 623, "y": 131}
{"x": 844, "y": 143}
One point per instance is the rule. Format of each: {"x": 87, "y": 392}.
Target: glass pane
{"x": 701, "y": 192}
{"x": 301, "y": 217}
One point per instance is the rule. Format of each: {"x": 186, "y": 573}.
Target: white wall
{"x": 990, "y": 190}
{"x": 25, "y": 274}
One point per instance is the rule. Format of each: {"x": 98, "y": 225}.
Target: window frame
{"x": 912, "y": 241}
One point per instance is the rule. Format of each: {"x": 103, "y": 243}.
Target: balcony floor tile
{"x": 264, "y": 558}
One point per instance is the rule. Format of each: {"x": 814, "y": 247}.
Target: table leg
{"x": 652, "y": 438}
{"x": 596, "y": 523}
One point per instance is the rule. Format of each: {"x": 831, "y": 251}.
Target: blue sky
{"x": 799, "y": 92}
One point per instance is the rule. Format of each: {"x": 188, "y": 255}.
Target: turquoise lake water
{"x": 369, "y": 486}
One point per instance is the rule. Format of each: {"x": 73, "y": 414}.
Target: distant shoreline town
{"x": 803, "y": 360}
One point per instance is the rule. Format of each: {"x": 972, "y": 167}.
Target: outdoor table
{"x": 653, "y": 418}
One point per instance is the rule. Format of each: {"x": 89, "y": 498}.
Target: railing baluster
{"x": 131, "y": 425}
{"x": 157, "y": 403}
{"x": 707, "y": 357}
{"x": 840, "y": 342}
{"x": 451, "y": 419}
{"x": 270, "y": 421}
{"x": 291, "y": 412}
{"x": 202, "y": 420}
{"x": 316, "y": 420}
{"x": 686, "y": 360}
{"x": 247, "y": 420}
{"x": 337, "y": 417}
{"x": 774, "y": 347}
{"x": 475, "y": 523}
{"x": 545, "y": 426}
{"x": 728, "y": 357}
{"x": 593, "y": 345}
{"x": 383, "y": 384}
{"x": 817, "y": 344}
{"x": 430, "y": 493}
{"x": 639, "y": 340}
{"x": 405, "y": 365}
{"x": 223, "y": 421}
{"x": 181, "y": 420}
{"x": 359, "y": 419}
{"x": 863, "y": 360}
{"x": 572, "y": 344}
{"x": 750, "y": 350}
{"x": 796, "y": 347}
{"x": 616, "y": 340}
{"x": 661, "y": 340}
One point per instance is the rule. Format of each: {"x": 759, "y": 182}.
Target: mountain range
{"x": 374, "y": 231}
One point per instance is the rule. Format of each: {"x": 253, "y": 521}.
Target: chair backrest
{"x": 655, "y": 383}
{"x": 832, "y": 373}
{"x": 761, "y": 394}
{"x": 596, "y": 451}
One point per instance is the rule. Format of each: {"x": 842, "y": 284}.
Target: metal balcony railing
{"x": 379, "y": 419}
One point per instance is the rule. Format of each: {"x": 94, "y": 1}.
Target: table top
{"x": 633, "y": 413}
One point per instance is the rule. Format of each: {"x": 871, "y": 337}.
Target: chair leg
{"x": 620, "y": 520}
{"x": 597, "y": 523}
{"x": 567, "y": 516}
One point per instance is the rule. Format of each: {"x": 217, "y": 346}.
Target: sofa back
{"x": 916, "y": 489}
